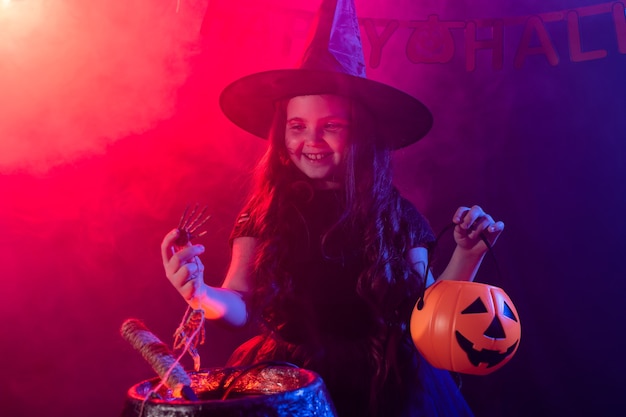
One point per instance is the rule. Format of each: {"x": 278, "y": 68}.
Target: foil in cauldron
{"x": 237, "y": 392}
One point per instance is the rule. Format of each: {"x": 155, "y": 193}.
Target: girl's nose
{"x": 316, "y": 136}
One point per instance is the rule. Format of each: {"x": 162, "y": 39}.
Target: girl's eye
{"x": 296, "y": 126}
{"x": 334, "y": 126}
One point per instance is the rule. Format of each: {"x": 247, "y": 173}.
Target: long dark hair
{"x": 374, "y": 211}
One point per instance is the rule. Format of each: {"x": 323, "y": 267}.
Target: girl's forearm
{"x": 221, "y": 304}
{"x": 463, "y": 265}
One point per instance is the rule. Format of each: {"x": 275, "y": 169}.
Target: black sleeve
{"x": 420, "y": 232}
{"x": 245, "y": 226}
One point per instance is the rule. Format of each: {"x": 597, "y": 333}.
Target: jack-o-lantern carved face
{"x": 466, "y": 327}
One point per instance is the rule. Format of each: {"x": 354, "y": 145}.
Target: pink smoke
{"x": 78, "y": 75}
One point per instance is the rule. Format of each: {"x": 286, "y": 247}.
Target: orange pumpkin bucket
{"x": 466, "y": 327}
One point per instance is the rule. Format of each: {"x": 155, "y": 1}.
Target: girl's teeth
{"x": 316, "y": 156}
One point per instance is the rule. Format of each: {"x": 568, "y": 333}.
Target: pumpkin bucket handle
{"x": 431, "y": 250}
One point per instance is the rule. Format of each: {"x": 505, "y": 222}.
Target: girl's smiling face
{"x": 317, "y": 134}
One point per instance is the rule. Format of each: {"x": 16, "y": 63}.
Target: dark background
{"x": 541, "y": 147}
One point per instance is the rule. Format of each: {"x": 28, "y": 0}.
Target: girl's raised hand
{"x": 472, "y": 226}
{"x": 182, "y": 265}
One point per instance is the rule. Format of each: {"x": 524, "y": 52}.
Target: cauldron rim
{"x": 309, "y": 380}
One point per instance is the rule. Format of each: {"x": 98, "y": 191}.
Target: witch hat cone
{"x": 334, "y": 42}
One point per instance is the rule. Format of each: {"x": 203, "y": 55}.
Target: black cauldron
{"x": 268, "y": 391}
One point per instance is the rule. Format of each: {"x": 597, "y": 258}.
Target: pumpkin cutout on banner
{"x": 466, "y": 327}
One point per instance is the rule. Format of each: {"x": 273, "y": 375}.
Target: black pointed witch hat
{"x": 333, "y": 63}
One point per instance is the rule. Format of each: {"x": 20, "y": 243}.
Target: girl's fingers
{"x": 459, "y": 214}
{"x": 173, "y": 260}
{"x": 469, "y": 218}
{"x": 497, "y": 227}
{"x": 167, "y": 244}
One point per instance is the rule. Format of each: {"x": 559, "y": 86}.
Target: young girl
{"x": 326, "y": 255}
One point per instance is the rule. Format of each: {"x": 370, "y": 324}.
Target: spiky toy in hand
{"x": 188, "y": 225}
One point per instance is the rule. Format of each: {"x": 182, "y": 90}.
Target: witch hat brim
{"x": 250, "y": 102}
{"x": 333, "y": 63}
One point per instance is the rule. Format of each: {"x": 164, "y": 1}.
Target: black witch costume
{"x": 320, "y": 322}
